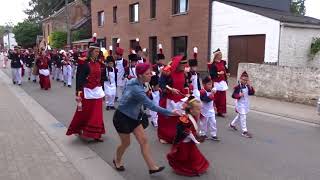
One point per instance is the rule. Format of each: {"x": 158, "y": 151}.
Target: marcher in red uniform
{"x": 88, "y": 119}
{"x": 176, "y": 89}
{"x": 219, "y": 73}
{"x": 185, "y": 158}
{"x": 44, "y": 72}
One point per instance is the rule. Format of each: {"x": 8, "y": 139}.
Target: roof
{"x": 281, "y": 16}
{"x": 80, "y": 23}
{"x": 56, "y": 14}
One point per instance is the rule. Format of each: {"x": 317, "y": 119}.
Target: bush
{"x": 58, "y": 39}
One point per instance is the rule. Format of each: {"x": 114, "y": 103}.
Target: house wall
{"x": 193, "y": 24}
{"x": 230, "y": 21}
{"x": 293, "y": 84}
{"x": 295, "y": 47}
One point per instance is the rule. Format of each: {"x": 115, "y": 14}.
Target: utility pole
{"x": 68, "y": 24}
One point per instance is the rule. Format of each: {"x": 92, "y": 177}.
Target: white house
{"x": 9, "y": 38}
{"x": 247, "y": 33}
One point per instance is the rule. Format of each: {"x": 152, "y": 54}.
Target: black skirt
{"x": 123, "y": 123}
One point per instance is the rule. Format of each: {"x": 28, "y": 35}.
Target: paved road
{"x": 280, "y": 149}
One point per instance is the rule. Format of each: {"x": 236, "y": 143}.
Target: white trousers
{"x": 119, "y": 91}
{"x": 242, "y": 118}
{"x": 110, "y": 91}
{"x": 58, "y": 74}
{"x": 208, "y": 125}
{"x": 74, "y": 68}
{"x": 53, "y": 71}
{"x": 16, "y": 75}
{"x": 67, "y": 74}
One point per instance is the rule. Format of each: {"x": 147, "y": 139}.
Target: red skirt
{"x": 167, "y": 125}
{"x": 88, "y": 122}
{"x": 187, "y": 160}
{"x": 220, "y": 99}
{"x": 44, "y": 82}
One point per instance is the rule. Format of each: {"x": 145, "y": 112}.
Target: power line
{"x": 58, "y": 4}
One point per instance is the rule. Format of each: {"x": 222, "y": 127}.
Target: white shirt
{"x": 207, "y": 109}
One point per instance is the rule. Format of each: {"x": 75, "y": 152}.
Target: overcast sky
{"x": 12, "y": 10}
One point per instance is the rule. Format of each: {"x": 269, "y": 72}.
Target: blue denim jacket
{"x": 134, "y": 97}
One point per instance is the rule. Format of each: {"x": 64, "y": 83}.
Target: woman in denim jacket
{"x": 126, "y": 120}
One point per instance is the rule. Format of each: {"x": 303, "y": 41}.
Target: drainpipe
{"x": 279, "y": 46}
{"x": 210, "y": 29}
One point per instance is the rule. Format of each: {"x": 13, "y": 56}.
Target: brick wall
{"x": 293, "y": 84}
{"x": 194, "y": 24}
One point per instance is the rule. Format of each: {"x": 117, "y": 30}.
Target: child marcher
{"x": 185, "y": 158}
{"x": 155, "y": 96}
{"x": 110, "y": 83}
{"x": 208, "y": 123}
{"x": 241, "y": 93}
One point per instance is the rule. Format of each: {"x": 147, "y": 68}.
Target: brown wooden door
{"x": 245, "y": 49}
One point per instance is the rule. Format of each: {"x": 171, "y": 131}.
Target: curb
{"x": 86, "y": 161}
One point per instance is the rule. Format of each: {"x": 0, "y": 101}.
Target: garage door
{"x": 245, "y": 49}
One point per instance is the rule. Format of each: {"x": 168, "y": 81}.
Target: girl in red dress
{"x": 44, "y": 74}
{"x": 184, "y": 157}
{"x": 88, "y": 119}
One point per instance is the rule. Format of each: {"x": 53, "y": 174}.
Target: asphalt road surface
{"x": 281, "y": 149}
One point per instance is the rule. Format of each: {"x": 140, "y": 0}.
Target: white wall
{"x": 295, "y": 47}
{"x": 12, "y": 40}
{"x": 230, "y": 21}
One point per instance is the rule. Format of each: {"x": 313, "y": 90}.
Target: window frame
{"x": 153, "y": 50}
{"x": 176, "y": 7}
{"x": 101, "y": 18}
{"x": 174, "y": 45}
{"x": 114, "y": 14}
{"x": 153, "y": 9}
{"x": 132, "y": 13}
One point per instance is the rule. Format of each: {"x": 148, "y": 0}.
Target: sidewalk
{"x": 33, "y": 144}
{"x": 26, "y": 150}
{"x": 294, "y": 111}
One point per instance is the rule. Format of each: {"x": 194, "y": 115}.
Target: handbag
{"x": 143, "y": 117}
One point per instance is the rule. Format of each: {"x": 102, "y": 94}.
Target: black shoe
{"x": 112, "y": 108}
{"x": 220, "y": 115}
{"x": 19, "y": 84}
{"x": 58, "y": 80}
{"x": 69, "y": 86}
{"x": 28, "y": 79}
{"x": 246, "y": 134}
{"x": 156, "y": 171}
{"x": 233, "y": 127}
{"x": 213, "y": 138}
{"x": 64, "y": 84}
{"x": 121, "y": 168}
{"x": 13, "y": 82}
{"x": 108, "y": 108}
{"x": 34, "y": 81}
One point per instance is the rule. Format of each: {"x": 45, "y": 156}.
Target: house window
{"x": 134, "y": 12}
{"x": 133, "y": 44}
{"x": 115, "y": 14}
{"x": 153, "y": 49}
{"x": 180, "y": 45}
{"x": 100, "y": 18}
{"x": 114, "y": 44}
{"x": 153, "y": 8}
{"x": 180, "y": 6}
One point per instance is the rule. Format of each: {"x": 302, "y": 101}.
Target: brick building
{"x": 179, "y": 25}
{"x": 79, "y": 16}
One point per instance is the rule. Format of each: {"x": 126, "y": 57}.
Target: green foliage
{"x": 40, "y": 9}
{"x": 315, "y": 46}
{"x": 58, "y": 39}
{"x": 298, "y": 7}
{"x": 26, "y": 33}
{"x": 82, "y": 33}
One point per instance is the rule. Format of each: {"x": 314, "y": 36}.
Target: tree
{"x": 26, "y": 33}
{"x": 43, "y": 8}
{"x": 83, "y": 33}
{"x": 298, "y": 7}
{"x": 58, "y": 39}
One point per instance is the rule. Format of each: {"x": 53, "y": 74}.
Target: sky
{"x": 12, "y": 10}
